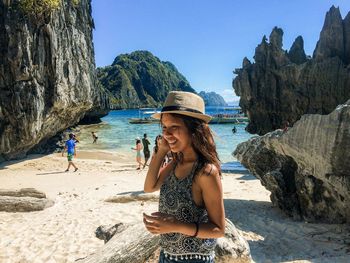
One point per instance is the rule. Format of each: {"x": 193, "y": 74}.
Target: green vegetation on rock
{"x": 140, "y": 79}
{"x": 39, "y": 7}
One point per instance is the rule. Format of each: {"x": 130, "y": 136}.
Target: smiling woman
{"x": 191, "y": 211}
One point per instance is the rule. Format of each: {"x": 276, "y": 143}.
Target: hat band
{"x": 180, "y": 108}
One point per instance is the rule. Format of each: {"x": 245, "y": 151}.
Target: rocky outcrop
{"x": 23, "y": 200}
{"x": 47, "y": 73}
{"x": 101, "y": 105}
{"x": 282, "y": 86}
{"x": 306, "y": 168}
{"x": 212, "y": 99}
{"x": 140, "y": 79}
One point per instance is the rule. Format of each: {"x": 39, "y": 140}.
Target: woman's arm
{"x": 210, "y": 183}
{"x": 159, "y": 223}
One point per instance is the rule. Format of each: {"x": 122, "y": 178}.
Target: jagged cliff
{"x": 140, "y": 79}
{"x": 212, "y": 99}
{"x": 47, "y": 73}
{"x": 306, "y": 168}
{"x": 282, "y": 86}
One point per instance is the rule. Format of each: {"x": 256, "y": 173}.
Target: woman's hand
{"x": 163, "y": 146}
{"x": 159, "y": 223}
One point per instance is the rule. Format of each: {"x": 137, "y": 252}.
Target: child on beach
{"x": 138, "y": 149}
{"x": 191, "y": 211}
{"x": 70, "y": 148}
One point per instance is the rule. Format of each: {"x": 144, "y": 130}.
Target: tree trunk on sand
{"x": 135, "y": 245}
{"x": 23, "y": 200}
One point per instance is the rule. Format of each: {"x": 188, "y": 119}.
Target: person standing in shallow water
{"x": 191, "y": 210}
{"x": 94, "y": 137}
{"x": 138, "y": 149}
{"x": 146, "y": 151}
{"x": 70, "y": 148}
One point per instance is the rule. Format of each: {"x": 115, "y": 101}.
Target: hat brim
{"x": 200, "y": 116}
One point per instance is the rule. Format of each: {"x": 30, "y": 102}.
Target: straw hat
{"x": 184, "y": 103}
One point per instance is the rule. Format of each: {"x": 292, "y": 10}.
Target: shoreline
{"x": 65, "y": 231}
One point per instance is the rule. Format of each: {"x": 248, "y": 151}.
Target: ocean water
{"x": 116, "y": 134}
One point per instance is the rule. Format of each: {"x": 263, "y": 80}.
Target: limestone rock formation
{"x": 282, "y": 86}
{"x": 140, "y": 79}
{"x": 306, "y": 168}
{"x": 23, "y": 200}
{"x": 47, "y": 73}
{"x": 212, "y": 99}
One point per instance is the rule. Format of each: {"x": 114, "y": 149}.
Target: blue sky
{"x": 205, "y": 39}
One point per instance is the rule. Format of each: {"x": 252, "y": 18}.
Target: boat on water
{"x": 228, "y": 118}
{"x": 220, "y": 118}
{"x": 144, "y": 116}
{"x": 238, "y": 117}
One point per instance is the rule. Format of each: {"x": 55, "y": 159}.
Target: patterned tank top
{"x": 176, "y": 199}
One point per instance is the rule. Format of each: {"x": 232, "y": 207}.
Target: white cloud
{"x": 229, "y": 95}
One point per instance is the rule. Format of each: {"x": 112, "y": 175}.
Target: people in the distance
{"x": 191, "y": 210}
{"x": 75, "y": 138}
{"x": 146, "y": 151}
{"x": 71, "y": 151}
{"x": 286, "y": 126}
{"x": 234, "y": 130}
{"x": 168, "y": 156}
{"x": 138, "y": 149}
{"x": 94, "y": 137}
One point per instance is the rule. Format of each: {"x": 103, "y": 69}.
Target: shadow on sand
{"x": 4, "y": 165}
{"x": 277, "y": 238}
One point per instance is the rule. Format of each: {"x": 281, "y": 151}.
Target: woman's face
{"x": 175, "y": 133}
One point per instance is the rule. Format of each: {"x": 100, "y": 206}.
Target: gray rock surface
{"x": 47, "y": 74}
{"x": 23, "y": 200}
{"x": 282, "y": 86}
{"x": 306, "y": 168}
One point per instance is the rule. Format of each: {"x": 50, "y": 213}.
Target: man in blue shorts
{"x": 70, "y": 148}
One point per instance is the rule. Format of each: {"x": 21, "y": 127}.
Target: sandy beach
{"x": 65, "y": 231}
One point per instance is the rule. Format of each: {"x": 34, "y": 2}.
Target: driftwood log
{"x": 106, "y": 232}
{"x": 133, "y": 197}
{"x": 135, "y": 244}
{"x": 23, "y": 200}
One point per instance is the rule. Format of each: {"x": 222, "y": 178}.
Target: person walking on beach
{"x": 146, "y": 151}
{"x": 191, "y": 210}
{"x": 71, "y": 151}
{"x": 138, "y": 149}
{"x": 94, "y": 137}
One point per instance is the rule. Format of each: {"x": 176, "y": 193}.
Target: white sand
{"x": 65, "y": 232}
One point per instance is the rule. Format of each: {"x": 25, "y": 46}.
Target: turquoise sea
{"x": 117, "y": 135}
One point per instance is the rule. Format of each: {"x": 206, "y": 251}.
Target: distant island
{"x": 140, "y": 79}
{"x": 212, "y": 99}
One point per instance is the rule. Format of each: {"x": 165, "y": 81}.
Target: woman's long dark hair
{"x": 202, "y": 143}
{"x": 156, "y": 143}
